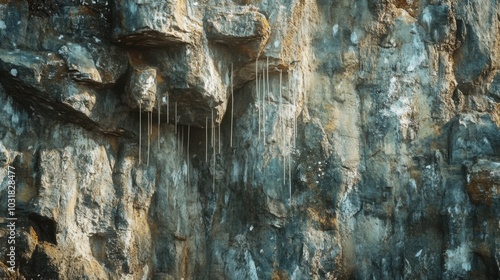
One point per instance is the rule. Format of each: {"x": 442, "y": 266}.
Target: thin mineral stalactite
{"x": 290, "y": 177}
{"x": 168, "y": 110}
{"x": 149, "y": 134}
{"x": 182, "y": 139}
{"x": 206, "y": 140}
{"x": 257, "y": 91}
{"x": 213, "y": 148}
{"x": 176, "y": 118}
{"x": 140, "y": 133}
{"x": 294, "y": 115}
{"x": 266, "y": 92}
{"x": 232, "y": 107}
{"x": 159, "y": 114}
{"x": 212, "y": 130}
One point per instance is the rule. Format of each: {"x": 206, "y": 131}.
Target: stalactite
{"x": 262, "y": 96}
{"x": 284, "y": 167}
{"x": 294, "y": 114}
{"x": 232, "y": 107}
{"x": 280, "y": 111}
{"x": 282, "y": 127}
{"x": 290, "y": 177}
{"x": 267, "y": 79}
{"x": 214, "y": 166}
{"x": 213, "y": 148}
{"x": 257, "y": 91}
{"x": 168, "y": 187}
{"x": 168, "y": 110}
{"x": 291, "y": 143}
{"x": 212, "y": 130}
{"x": 219, "y": 139}
{"x": 151, "y": 122}
{"x": 178, "y": 141}
{"x": 159, "y": 114}
{"x": 266, "y": 90}
{"x": 182, "y": 140}
{"x": 259, "y": 107}
{"x": 281, "y": 120}
{"x": 140, "y": 133}
{"x": 188, "y": 159}
{"x": 213, "y": 176}
{"x": 206, "y": 140}
{"x": 149, "y": 134}
{"x": 176, "y": 118}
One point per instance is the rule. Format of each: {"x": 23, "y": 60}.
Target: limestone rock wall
{"x": 212, "y": 139}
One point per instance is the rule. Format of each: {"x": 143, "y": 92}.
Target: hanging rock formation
{"x": 365, "y": 139}
{"x": 141, "y": 89}
{"x": 152, "y": 23}
{"x": 244, "y": 28}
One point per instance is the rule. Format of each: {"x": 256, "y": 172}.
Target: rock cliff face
{"x": 299, "y": 139}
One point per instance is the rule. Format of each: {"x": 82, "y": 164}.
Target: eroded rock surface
{"x": 251, "y": 139}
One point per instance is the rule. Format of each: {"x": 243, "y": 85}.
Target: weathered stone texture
{"x": 296, "y": 139}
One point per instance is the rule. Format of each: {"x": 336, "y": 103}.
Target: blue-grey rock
{"x": 152, "y": 23}
{"x": 244, "y": 28}
{"x": 141, "y": 89}
{"x": 80, "y": 63}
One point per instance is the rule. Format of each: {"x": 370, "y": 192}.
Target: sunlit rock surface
{"x": 251, "y": 139}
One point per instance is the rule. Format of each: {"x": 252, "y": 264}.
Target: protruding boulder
{"x": 4, "y": 155}
{"x": 473, "y": 135}
{"x": 244, "y": 28}
{"x": 81, "y": 99}
{"x": 436, "y": 20}
{"x": 46, "y": 258}
{"x": 195, "y": 81}
{"x": 28, "y": 67}
{"x": 471, "y": 60}
{"x": 41, "y": 81}
{"x": 483, "y": 182}
{"x": 13, "y": 23}
{"x": 80, "y": 63}
{"x": 152, "y": 23}
{"x": 494, "y": 87}
{"x": 141, "y": 89}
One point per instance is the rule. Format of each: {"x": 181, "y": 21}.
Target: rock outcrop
{"x": 297, "y": 139}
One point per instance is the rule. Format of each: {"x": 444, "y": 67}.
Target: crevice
{"x": 98, "y": 247}
{"x": 45, "y": 228}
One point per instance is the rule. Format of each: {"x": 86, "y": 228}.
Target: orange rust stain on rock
{"x": 495, "y": 115}
{"x": 293, "y": 31}
{"x": 33, "y": 235}
{"x": 185, "y": 261}
{"x": 280, "y": 275}
{"x": 326, "y": 220}
{"x": 410, "y": 6}
{"x": 159, "y": 79}
{"x": 330, "y": 126}
{"x": 135, "y": 58}
{"x": 482, "y": 189}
